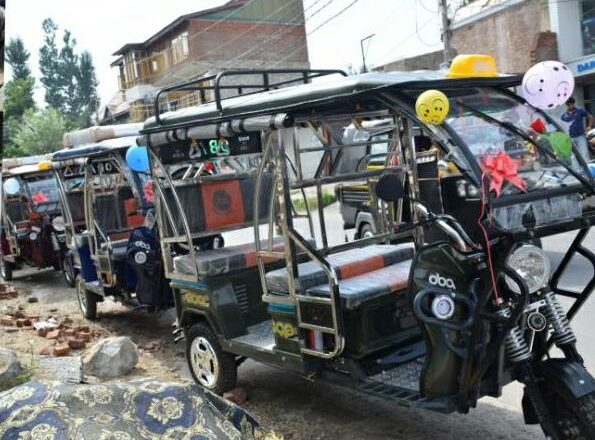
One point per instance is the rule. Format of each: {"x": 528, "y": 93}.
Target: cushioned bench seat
{"x": 227, "y": 259}
{"x": 356, "y": 290}
{"x": 119, "y": 248}
{"x": 347, "y": 264}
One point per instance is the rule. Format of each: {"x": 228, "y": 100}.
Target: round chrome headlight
{"x": 58, "y": 223}
{"x": 532, "y": 265}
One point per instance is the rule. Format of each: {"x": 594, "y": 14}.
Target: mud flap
{"x": 567, "y": 378}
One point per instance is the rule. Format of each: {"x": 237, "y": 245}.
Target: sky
{"x": 402, "y": 28}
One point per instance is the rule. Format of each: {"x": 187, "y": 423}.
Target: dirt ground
{"x": 285, "y": 404}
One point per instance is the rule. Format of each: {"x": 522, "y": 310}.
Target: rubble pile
{"x": 8, "y": 291}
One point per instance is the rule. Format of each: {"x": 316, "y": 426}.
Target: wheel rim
{"x": 204, "y": 362}
{"x": 82, "y": 296}
{"x": 368, "y": 234}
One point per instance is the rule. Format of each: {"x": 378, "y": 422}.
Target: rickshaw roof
{"x": 23, "y": 165}
{"x": 305, "y": 95}
{"x": 94, "y": 149}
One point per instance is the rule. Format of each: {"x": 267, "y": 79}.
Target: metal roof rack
{"x": 213, "y": 83}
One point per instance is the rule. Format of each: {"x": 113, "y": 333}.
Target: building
{"x": 240, "y": 34}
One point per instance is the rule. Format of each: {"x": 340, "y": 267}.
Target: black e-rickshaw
{"x": 419, "y": 312}
{"x": 110, "y": 226}
{"x": 32, "y": 228}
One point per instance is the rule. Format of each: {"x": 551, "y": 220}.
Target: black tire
{"x": 222, "y": 366}
{"x": 573, "y": 419}
{"x": 366, "y": 231}
{"x": 87, "y": 300}
{"x": 68, "y": 271}
{"x": 6, "y": 270}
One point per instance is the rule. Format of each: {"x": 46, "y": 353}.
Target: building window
{"x": 179, "y": 48}
{"x": 588, "y": 26}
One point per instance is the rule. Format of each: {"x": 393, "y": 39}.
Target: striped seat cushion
{"x": 224, "y": 260}
{"x": 356, "y": 290}
{"x": 347, "y": 264}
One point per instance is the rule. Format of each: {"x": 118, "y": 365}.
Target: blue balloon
{"x": 137, "y": 159}
{"x": 592, "y": 169}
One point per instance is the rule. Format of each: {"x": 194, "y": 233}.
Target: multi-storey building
{"x": 239, "y": 34}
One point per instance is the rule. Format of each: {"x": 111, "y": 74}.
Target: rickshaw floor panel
{"x": 404, "y": 376}
{"x": 259, "y": 335}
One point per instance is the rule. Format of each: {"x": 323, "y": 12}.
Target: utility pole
{"x": 446, "y": 32}
{"x": 361, "y": 43}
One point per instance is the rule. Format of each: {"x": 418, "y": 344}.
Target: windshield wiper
{"x": 512, "y": 128}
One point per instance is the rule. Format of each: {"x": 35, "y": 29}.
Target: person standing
{"x": 576, "y": 117}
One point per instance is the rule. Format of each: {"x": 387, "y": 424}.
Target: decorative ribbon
{"x": 40, "y": 198}
{"x": 501, "y": 168}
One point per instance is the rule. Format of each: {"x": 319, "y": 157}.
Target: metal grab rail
{"x": 195, "y": 85}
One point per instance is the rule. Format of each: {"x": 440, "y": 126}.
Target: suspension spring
{"x": 516, "y": 344}
{"x": 562, "y": 333}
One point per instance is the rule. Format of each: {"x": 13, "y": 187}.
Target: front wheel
{"x": 87, "y": 300}
{"x": 573, "y": 419}
{"x": 6, "y": 269}
{"x": 210, "y": 366}
{"x": 68, "y": 271}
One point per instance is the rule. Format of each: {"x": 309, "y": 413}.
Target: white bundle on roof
{"x": 100, "y": 133}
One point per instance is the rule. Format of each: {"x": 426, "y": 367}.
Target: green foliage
{"x": 18, "y": 97}
{"x": 39, "y": 133}
{"x": 328, "y": 198}
{"x": 17, "y": 56}
{"x": 68, "y": 78}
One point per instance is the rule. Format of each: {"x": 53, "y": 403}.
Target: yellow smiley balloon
{"x": 432, "y": 107}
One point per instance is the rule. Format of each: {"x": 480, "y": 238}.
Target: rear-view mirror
{"x": 390, "y": 187}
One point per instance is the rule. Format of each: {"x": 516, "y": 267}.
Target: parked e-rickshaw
{"x": 32, "y": 228}
{"x": 109, "y": 221}
{"x": 437, "y": 323}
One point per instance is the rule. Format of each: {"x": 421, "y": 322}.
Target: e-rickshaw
{"x": 32, "y": 228}
{"x": 433, "y": 321}
{"x": 109, "y": 221}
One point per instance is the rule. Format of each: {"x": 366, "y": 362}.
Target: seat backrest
{"x": 221, "y": 204}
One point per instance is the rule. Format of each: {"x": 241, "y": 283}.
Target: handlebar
{"x": 448, "y": 225}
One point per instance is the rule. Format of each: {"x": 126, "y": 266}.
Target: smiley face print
{"x": 548, "y": 85}
{"x": 432, "y": 107}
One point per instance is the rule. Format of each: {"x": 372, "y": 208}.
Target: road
{"x": 298, "y": 409}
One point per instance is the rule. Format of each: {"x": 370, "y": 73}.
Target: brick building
{"x": 238, "y": 34}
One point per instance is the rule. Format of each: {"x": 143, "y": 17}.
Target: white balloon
{"x": 12, "y": 186}
{"x": 548, "y": 85}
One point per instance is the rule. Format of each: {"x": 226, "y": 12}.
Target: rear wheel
{"x": 6, "y": 269}
{"x": 366, "y": 231}
{"x": 573, "y": 419}
{"x": 210, "y": 366}
{"x": 87, "y": 300}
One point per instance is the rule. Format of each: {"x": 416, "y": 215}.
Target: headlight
{"x": 58, "y": 224}
{"x": 532, "y": 265}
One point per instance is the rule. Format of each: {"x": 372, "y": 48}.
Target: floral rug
{"x": 144, "y": 409}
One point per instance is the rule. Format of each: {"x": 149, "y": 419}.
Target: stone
{"x": 63, "y": 369}
{"x": 111, "y": 357}
{"x": 85, "y": 336}
{"x": 32, "y": 299}
{"x": 11, "y": 330}
{"x": 61, "y": 349}
{"x": 10, "y": 369}
{"x": 76, "y": 344}
{"x": 42, "y": 332}
{"x": 47, "y": 350}
{"x": 239, "y": 396}
{"x": 53, "y": 310}
{"x": 82, "y": 328}
{"x": 54, "y": 334}
{"x": 69, "y": 332}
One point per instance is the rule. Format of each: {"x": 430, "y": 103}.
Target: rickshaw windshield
{"x": 490, "y": 122}
{"x": 43, "y": 192}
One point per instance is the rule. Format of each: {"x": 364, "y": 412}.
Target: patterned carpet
{"x": 144, "y": 409}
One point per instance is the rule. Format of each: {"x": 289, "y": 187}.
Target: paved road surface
{"x": 299, "y": 409}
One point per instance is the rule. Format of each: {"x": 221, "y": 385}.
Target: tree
{"x": 17, "y": 57}
{"x": 40, "y": 132}
{"x": 18, "y": 97}
{"x": 87, "y": 88}
{"x": 68, "y": 78}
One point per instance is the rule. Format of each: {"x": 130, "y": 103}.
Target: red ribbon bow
{"x": 501, "y": 168}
